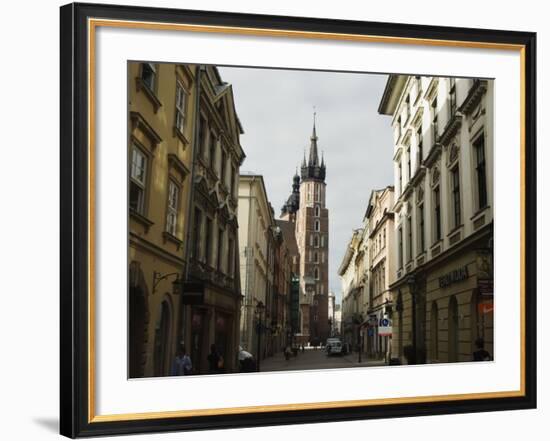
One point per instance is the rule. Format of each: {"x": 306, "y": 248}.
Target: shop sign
{"x": 385, "y": 327}
{"x": 193, "y": 293}
{"x": 485, "y": 287}
{"x": 455, "y": 276}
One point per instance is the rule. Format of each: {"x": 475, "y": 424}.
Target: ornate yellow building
{"x": 183, "y": 163}
{"x": 161, "y": 125}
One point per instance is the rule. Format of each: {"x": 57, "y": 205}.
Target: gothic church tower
{"x": 313, "y": 242}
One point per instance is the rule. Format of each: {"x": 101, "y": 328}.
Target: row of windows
{"x": 314, "y": 257}
{"x": 209, "y": 146}
{"x": 138, "y": 190}
{"x": 315, "y": 239}
{"x": 149, "y": 79}
{"x": 203, "y": 244}
{"x": 434, "y": 115}
{"x": 378, "y": 243}
{"x": 455, "y": 207}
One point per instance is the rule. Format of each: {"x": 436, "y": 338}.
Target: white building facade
{"x": 443, "y": 225}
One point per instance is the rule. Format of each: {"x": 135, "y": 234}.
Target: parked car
{"x": 334, "y": 346}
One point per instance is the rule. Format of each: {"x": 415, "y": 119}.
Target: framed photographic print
{"x": 276, "y": 220}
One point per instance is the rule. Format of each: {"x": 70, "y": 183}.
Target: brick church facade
{"x": 306, "y": 207}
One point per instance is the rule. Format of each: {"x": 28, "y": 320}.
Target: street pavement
{"x": 315, "y": 359}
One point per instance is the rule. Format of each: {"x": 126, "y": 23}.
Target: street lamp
{"x": 259, "y": 310}
{"x": 411, "y": 281}
{"x": 158, "y": 277}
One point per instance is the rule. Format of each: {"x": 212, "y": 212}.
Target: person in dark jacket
{"x": 215, "y": 361}
{"x": 480, "y": 354}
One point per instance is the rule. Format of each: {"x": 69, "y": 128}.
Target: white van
{"x": 334, "y": 346}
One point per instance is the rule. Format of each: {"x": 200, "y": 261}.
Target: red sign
{"x": 486, "y": 308}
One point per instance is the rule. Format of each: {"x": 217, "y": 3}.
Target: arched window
{"x": 434, "y": 331}
{"x": 317, "y": 225}
{"x": 316, "y": 241}
{"x": 316, "y": 257}
{"x": 317, "y": 211}
{"x": 453, "y": 329}
{"x": 316, "y": 273}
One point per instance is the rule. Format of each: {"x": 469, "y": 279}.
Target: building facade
{"x": 353, "y": 290}
{"x": 312, "y": 223}
{"x": 256, "y": 250}
{"x": 443, "y": 160}
{"x": 289, "y": 275}
{"x": 161, "y": 123}
{"x": 306, "y": 208}
{"x": 379, "y": 216}
{"x": 212, "y": 318}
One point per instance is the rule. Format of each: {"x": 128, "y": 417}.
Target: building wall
{"x": 255, "y": 232}
{"x": 213, "y": 255}
{"x": 450, "y": 136}
{"x": 156, "y": 249}
{"x": 313, "y": 241}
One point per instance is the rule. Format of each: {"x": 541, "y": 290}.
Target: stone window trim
{"x": 172, "y": 181}
{"x": 150, "y": 93}
{"x": 145, "y": 185}
{"x": 179, "y": 131}
{"x": 138, "y": 122}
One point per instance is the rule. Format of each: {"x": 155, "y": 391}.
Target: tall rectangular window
{"x": 437, "y": 213}
{"x": 409, "y": 238}
{"x": 223, "y": 166}
{"x": 149, "y": 75}
{"x": 220, "y": 250}
{"x": 172, "y": 210}
{"x": 400, "y": 178}
{"x": 138, "y": 176}
{"x": 455, "y": 188}
{"x": 452, "y": 96}
{"x": 422, "y": 243}
{"x": 202, "y": 137}
{"x": 181, "y": 101}
{"x": 230, "y": 258}
{"x": 233, "y": 180}
{"x": 481, "y": 174}
{"x": 398, "y": 127}
{"x": 435, "y": 129}
{"x": 197, "y": 236}
{"x": 212, "y": 150}
{"x": 400, "y": 247}
{"x": 208, "y": 241}
{"x": 420, "y": 152}
{"x": 409, "y": 163}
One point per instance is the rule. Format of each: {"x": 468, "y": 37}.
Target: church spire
{"x": 313, "y": 168}
{"x": 313, "y": 153}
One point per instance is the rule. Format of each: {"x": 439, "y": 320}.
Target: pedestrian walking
{"x": 182, "y": 364}
{"x": 215, "y": 361}
{"x": 480, "y": 354}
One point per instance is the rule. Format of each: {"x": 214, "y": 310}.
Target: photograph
{"x": 292, "y": 219}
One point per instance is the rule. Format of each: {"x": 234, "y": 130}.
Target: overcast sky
{"x": 276, "y": 110}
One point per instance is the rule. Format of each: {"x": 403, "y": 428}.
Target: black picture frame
{"x": 74, "y": 191}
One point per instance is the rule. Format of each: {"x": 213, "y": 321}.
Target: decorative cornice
{"x": 138, "y": 121}
{"x": 478, "y": 89}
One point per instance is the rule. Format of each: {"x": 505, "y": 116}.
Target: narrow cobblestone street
{"x": 315, "y": 359}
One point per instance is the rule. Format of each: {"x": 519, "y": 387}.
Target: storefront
{"x": 446, "y": 305}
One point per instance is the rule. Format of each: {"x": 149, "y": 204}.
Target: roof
{"x": 392, "y": 93}
{"x": 289, "y": 235}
